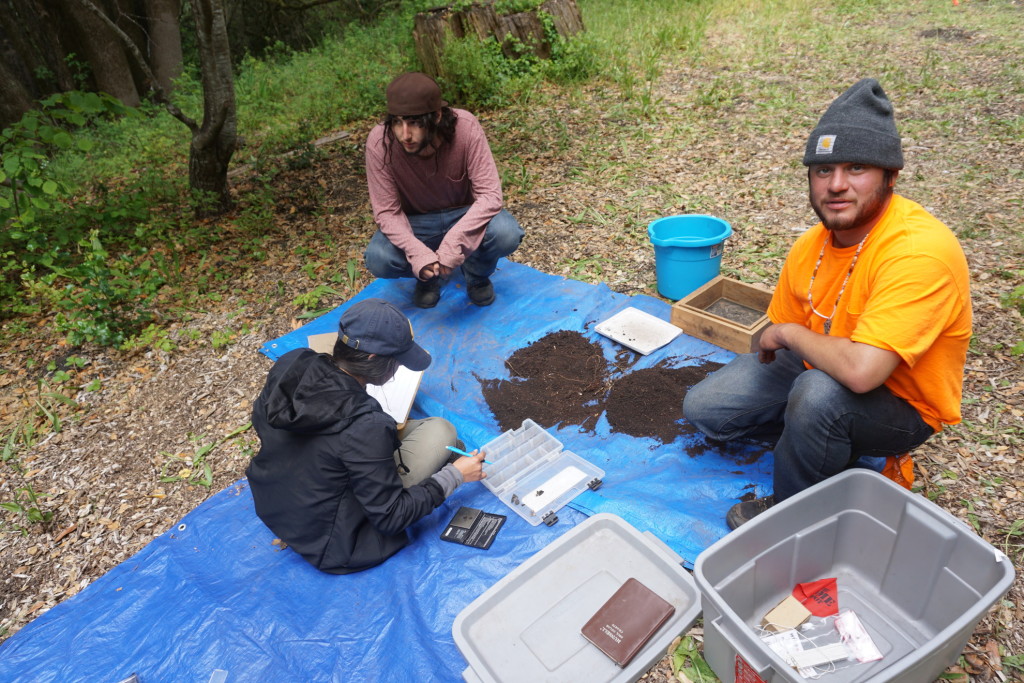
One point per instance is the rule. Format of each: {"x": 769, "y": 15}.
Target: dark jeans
{"x": 502, "y": 236}
{"x": 821, "y": 426}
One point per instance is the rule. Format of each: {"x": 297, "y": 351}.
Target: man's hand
{"x": 858, "y": 367}
{"x": 472, "y": 469}
{"x": 435, "y": 269}
{"x": 769, "y": 343}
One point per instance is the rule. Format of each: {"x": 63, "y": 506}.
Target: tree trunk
{"x": 104, "y": 51}
{"x": 164, "y": 41}
{"x": 132, "y": 22}
{"x": 15, "y": 100}
{"x": 33, "y": 57}
{"x": 566, "y": 15}
{"x": 516, "y": 32}
{"x": 213, "y": 142}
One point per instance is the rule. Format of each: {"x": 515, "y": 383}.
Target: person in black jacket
{"x": 334, "y": 478}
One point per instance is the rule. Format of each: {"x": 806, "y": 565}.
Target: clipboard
{"x": 396, "y": 396}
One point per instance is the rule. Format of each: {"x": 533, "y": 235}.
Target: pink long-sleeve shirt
{"x": 462, "y": 173}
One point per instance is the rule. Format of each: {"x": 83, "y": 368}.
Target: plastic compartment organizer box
{"x": 918, "y": 578}
{"x": 533, "y": 475}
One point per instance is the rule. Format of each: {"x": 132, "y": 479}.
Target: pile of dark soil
{"x": 557, "y": 380}
{"x": 649, "y": 402}
{"x": 564, "y": 379}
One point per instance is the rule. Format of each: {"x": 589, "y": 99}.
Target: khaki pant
{"x": 424, "y": 448}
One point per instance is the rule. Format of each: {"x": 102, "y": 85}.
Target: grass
{"x": 282, "y": 103}
{"x": 291, "y": 98}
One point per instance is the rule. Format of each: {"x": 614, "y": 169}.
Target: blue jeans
{"x": 821, "y": 427}
{"x": 501, "y": 237}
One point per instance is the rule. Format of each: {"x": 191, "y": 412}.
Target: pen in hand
{"x": 453, "y": 449}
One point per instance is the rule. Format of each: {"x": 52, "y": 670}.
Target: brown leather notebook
{"x": 627, "y": 621}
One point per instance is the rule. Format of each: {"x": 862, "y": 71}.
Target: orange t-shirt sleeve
{"x": 788, "y": 304}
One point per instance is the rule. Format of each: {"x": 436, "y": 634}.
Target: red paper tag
{"x": 819, "y": 597}
{"x": 745, "y": 673}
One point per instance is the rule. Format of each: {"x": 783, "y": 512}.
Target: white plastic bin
{"x": 918, "y": 578}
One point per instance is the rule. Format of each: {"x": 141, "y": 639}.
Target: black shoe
{"x": 427, "y": 293}
{"x": 482, "y": 293}
{"x": 741, "y": 513}
{"x": 453, "y": 457}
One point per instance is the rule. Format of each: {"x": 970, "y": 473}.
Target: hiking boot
{"x": 741, "y": 513}
{"x": 427, "y": 293}
{"x": 482, "y": 293}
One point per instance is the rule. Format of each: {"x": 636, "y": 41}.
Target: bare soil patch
{"x": 648, "y": 402}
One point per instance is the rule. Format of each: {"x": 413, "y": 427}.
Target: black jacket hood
{"x": 308, "y": 394}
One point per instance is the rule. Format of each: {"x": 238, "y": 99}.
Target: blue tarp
{"x": 215, "y": 593}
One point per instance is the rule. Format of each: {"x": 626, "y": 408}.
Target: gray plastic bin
{"x": 527, "y": 626}
{"x": 918, "y": 578}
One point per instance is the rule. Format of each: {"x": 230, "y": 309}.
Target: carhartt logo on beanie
{"x": 858, "y": 127}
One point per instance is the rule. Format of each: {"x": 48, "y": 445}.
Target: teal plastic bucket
{"x": 687, "y": 252}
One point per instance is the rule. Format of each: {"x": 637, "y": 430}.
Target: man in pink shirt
{"x": 435, "y": 194}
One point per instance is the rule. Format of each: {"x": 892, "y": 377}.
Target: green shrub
{"x": 39, "y": 222}
{"x": 574, "y": 59}
{"x": 105, "y": 300}
{"x": 481, "y": 74}
{"x": 476, "y": 73}
{"x": 28, "y": 146}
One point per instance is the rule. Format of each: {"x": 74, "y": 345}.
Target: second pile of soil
{"x": 564, "y": 379}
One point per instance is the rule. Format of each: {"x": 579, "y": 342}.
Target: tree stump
{"x": 516, "y": 32}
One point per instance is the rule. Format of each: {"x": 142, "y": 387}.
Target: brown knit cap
{"x": 412, "y": 94}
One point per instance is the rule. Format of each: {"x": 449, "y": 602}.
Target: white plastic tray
{"x": 638, "y": 330}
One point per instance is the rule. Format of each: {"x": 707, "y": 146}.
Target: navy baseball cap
{"x": 376, "y": 326}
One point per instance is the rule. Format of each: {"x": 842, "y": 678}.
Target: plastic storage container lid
{"x": 527, "y": 626}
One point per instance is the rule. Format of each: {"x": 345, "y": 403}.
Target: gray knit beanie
{"x": 858, "y": 127}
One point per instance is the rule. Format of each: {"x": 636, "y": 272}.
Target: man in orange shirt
{"x": 871, "y": 318}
